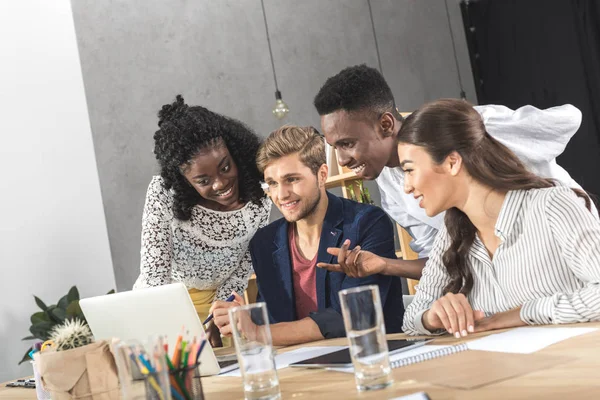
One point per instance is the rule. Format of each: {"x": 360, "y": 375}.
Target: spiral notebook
{"x": 425, "y": 353}
{"x": 342, "y": 359}
{"x": 414, "y": 356}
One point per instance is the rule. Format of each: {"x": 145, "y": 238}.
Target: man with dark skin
{"x": 360, "y": 120}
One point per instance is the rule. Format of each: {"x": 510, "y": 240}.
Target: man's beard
{"x": 308, "y": 210}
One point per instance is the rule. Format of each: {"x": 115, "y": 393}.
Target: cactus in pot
{"x": 71, "y": 334}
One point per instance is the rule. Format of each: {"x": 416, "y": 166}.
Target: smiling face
{"x": 435, "y": 185}
{"x": 213, "y": 174}
{"x": 362, "y": 143}
{"x": 293, "y": 187}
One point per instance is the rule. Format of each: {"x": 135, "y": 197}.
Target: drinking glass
{"x": 143, "y": 372}
{"x": 254, "y": 348}
{"x": 365, "y": 329}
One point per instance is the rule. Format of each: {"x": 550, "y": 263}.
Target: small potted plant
{"x": 44, "y": 321}
{"x": 71, "y": 365}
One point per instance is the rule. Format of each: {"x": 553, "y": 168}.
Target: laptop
{"x": 341, "y": 358}
{"x": 156, "y": 311}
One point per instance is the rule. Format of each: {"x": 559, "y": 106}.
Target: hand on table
{"x": 453, "y": 313}
{"x": 355, "y": 263}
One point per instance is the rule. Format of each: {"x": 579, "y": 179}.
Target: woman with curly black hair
{"x": 205, "y": 206}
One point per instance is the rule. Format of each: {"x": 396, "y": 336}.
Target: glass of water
{"x": 254, "y": 348}
{"x": 363, "y": 319}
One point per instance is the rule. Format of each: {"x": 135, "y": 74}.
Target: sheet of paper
{"x": 526, "y": 340}
{"x": 285, "y": 359}
{"x": 398, "y": 356}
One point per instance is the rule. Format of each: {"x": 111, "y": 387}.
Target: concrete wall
{"x": 138, "y": 54}
{"x": 53, "y": 233}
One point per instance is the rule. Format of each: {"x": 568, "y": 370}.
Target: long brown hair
{"x": 448, "y": 125}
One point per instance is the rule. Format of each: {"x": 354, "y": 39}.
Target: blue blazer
{"x": 365, "y": 225}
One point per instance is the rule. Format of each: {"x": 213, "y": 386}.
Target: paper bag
{"x": 86, "y": 373}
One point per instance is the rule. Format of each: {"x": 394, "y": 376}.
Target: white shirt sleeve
{"x": 534, "y": 135}
{"x": 405, "y": 210}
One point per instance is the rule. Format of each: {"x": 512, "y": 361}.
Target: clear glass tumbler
{"x": 365, "y": 329}
{"x": 254, "y": 348}
{"x": 143, "y": 372}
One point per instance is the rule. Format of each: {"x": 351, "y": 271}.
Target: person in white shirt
{"x": 359, "y": 118}
{"x": 515, "y": 249}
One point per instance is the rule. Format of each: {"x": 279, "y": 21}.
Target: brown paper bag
{"x": 86, "y": 373}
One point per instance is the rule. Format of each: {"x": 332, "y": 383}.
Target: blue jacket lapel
{"x": 331, "y": 236}
{"x": 283, "y": 264}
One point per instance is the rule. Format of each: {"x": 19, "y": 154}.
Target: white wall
{"x": 136, "y": 55}
{"x": 52, "y": 227}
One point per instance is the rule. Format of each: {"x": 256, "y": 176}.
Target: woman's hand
{"x": 452, "y": 313}
{"x": 220, "y": 312}
{"x": 506, "y": 319}
{"x": 355, "y": 263}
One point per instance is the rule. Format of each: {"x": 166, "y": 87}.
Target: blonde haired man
{"x": 302, "y": 300}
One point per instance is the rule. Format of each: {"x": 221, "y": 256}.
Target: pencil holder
{"x": 142, "y": 370}
{"x": 153, "y": 388}
{"x": 187, "y": 383}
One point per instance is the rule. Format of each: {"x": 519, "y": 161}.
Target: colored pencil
{"x": 191, "y": 362}
{"x": 173, "y": 374}
{"x": 177, "y": 351}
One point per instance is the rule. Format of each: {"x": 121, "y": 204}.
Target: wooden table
{"x": 578, "y": 379}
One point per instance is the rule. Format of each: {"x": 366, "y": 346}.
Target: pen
{"x": 200, "y": 349}
{"x": 229, "y": 300}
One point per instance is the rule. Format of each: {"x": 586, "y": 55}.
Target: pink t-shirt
{"x": 304, "y": 278}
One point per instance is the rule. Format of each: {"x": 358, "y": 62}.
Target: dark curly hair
{"x": 183, "y": 132}
{"x": 355, "y": 88}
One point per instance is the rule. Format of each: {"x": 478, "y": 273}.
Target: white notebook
{"x": 428, "y": 352}
{"x": 523, "y": 340}
{"x": 420, "y": 354}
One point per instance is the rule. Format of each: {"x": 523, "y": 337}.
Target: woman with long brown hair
{"x": 516, "y": 249}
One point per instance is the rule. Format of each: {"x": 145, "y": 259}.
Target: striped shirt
{"x": 548, "y": 262}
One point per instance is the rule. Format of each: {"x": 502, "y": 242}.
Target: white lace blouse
{"x": 207, "y": 252}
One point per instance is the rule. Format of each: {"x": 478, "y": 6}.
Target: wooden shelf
{"x": 339, "y": 180}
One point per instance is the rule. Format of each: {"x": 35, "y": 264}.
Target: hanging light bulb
{"x": 281, "y": 109}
